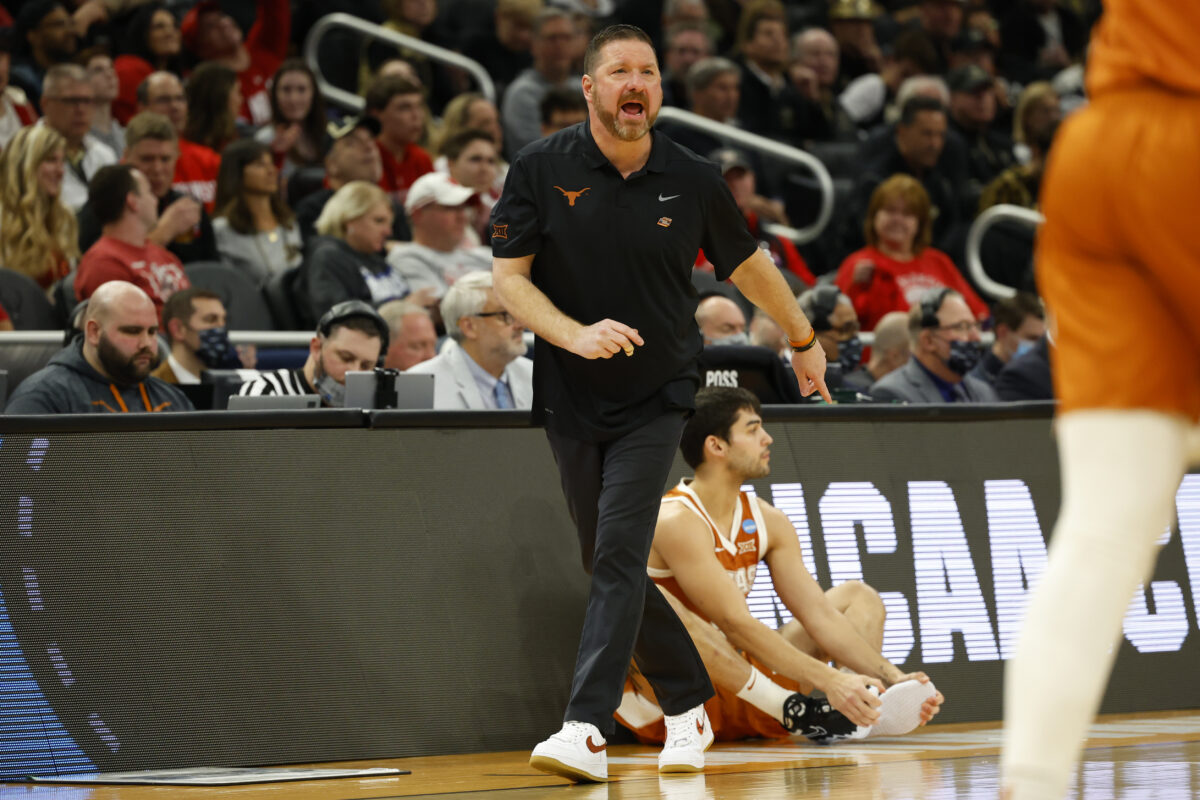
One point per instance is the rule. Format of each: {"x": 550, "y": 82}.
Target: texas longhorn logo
{"x": 572, "y": 196}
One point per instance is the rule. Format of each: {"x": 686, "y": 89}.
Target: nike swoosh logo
{"x": 700, "y": 726}
{"x": 662, "y": 199}
{"x": 596, "y": 748}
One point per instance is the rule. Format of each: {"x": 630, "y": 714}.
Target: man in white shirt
{"x": 68, "y": 102}
{"x": 484, "y": 365}
{"x": 437, "y": 209}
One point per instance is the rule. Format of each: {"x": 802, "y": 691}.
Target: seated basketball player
{"x": 707, "y": 545}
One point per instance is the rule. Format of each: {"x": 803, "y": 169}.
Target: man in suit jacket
{"x": 945, "y": 346}
{"x": 484, "y": 365}
{"x": 1027, "y": 377}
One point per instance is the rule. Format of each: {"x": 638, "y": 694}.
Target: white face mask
{"x": 1024, "y": 347}
{"x": 332, "y": 393}
{"x": 733, "y": 338}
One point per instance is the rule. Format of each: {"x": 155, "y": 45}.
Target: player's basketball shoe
{"x": 813, "y": 718}
{"x": 578, "y": 752}
{"x": 900, "y": 710}
{"x": 688, "y": 735}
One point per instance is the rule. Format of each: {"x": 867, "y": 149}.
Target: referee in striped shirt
{"x": 351, "y": 336}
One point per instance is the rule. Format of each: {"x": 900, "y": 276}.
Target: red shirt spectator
{"x": 196, "y": 172}
{"x": 131, "y": 71}
{"x": 898, "y": 266}
{"x": 212, "y": 34}
{"x": 5, "y": 320}
{"x": 399, "y": 175}
{"x": 127, "y": 209}
{"x": 895, "y": 285}
{"x": 398, "y": 105}
{"x": 154, "y": 270}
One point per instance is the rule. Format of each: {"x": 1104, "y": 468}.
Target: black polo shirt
{"x": 609, "y": 247}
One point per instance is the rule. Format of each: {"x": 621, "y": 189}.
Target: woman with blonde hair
{"x": 38, "y": 233}
{"x": 898, "y": 264}
{"x": 1038, "y": 113}
{"x": 346, "y": 258}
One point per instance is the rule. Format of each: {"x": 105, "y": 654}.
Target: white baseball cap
{"x": 436, "y": 187}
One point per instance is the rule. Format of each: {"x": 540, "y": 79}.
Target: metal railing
{"x": 753, "y": 141}
{"x": 979, "y": 227}
{"x": 352, "y": 101}
{"x": 773, "y": 148}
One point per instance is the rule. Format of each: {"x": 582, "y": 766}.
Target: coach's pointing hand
{"x": 809, "y": 368}
{"x": 605, "y": 339}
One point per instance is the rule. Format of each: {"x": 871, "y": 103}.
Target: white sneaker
{"x": 900, "y": 709}
{"x": 688, "y": 735}
{"x": 578, "y": 752}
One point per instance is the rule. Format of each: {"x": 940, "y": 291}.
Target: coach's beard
{"x": 627, "y": 131}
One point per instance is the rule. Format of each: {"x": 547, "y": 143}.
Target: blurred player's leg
{"x": 1120, "y": 471}
{"x": 1119, "y": 266}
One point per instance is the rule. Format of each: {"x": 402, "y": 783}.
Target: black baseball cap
{"x": 969, "y": 78}
{"x": 351, "y": 124}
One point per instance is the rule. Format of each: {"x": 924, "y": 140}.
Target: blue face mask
{"x": 216, "y": 351}
{"x": 1024, "y": 347}
{"x": 964, "y": 356}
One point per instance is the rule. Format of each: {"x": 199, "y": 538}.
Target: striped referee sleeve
{"x": 282, "y": 381}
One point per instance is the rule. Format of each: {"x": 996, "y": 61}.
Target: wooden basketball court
{"x": 1128, "y": 757}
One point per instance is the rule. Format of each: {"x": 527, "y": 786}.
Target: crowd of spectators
{"x": 143, "y": 137}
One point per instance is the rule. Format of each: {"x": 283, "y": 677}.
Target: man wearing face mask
{"x": 833, "y": 317}
{"x": 194, "y": 320}
{"x": 349, "y": 337}
{"x": 945, "y": 347}
{"x": 1019, "y": 323}
{"x": 721, "y": 321}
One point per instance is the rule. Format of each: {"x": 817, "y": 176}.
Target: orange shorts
{"x": 732, "y": 718}
{"x": 1118, "y": 258}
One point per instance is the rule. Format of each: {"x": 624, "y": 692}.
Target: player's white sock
{"x": 1120, "y": 471}
{"x": 764, "y": 694}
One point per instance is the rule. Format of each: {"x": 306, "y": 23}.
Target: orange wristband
{"x": 800, "y": 347}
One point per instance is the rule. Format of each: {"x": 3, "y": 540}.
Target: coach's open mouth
{"x": 633, "y": 110}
